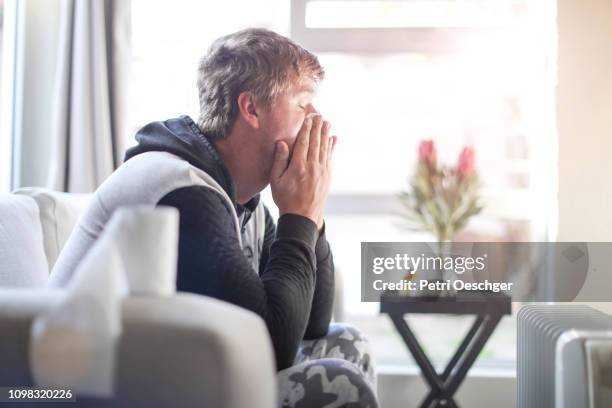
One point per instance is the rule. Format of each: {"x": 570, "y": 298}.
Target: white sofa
{"x": 183, "y": 350}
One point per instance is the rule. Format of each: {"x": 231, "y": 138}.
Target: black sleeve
{"x": 323, "y": 299}
{"x": 269, "y": 237}
{"x": 212, "y": 263}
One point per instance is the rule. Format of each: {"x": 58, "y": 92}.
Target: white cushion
{"x": 24, "y": 263}
{"x": 59, "y": 213}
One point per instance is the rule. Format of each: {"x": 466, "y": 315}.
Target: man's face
{"x": 285, "y": 118}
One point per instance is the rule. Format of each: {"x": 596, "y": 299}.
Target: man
{"x": 257, "y": 126}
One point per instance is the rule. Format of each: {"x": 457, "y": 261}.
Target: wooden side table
{"x": 488, "y": 308}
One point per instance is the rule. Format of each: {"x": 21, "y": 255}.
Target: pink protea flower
{"x": 427, "y": 153}
{"x": 465, "y": 165}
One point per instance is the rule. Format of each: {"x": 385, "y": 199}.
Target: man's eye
{"x": 301, "y": 107}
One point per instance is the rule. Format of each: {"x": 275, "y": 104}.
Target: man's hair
{"x": 256, "y": 60}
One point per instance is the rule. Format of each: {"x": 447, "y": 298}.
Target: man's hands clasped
{"x": 300, "y": 183}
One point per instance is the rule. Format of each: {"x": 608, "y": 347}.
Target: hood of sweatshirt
{"x": 183, "y": 138}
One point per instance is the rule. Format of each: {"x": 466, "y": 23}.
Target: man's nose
{"x": 310, "y": 109}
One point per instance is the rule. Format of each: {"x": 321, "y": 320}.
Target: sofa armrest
{"x": 197, "y": 351}
{"x": 185, "y": 350}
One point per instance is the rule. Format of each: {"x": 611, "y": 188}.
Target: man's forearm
{"x": 323, "y": 299}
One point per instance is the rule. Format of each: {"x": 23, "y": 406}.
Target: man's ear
{"x": 247, "y": 106}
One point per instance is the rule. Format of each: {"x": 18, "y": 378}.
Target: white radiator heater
{"x": 564, "y": 357}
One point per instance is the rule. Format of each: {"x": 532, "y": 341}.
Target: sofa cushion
{"x": 24, "y": 263}
{"x": 59, "y": 213}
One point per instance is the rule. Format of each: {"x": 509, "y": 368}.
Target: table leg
{"x": 440, "y": 401}
{"x": 430, "y": 400}
{"x": 429, "y": 372}
{"x": 453, "y": 383}
{"x": 444, "y": 386}
{"x": 462, "y": 347}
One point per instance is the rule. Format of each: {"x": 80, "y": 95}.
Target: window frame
{"x": 431, "y": 40}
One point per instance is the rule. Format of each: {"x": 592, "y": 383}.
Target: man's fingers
{"x": 300, "y": 149}
{"x": 325, "y": 140}
{"x": 281, "y": 160}
{"x": 315, "y": 138}
{"x": 332, "y": 146}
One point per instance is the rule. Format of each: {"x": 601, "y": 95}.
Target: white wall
{"x": 481, "y": 388}
{"x": 584, "y": 121}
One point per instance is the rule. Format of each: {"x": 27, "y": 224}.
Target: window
{"x": 460, "y": 72}
{"x": 411, "y": 13}
{"x": 8, "y": 47}
{"x": 382, "y": 26}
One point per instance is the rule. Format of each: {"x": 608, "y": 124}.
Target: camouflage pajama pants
{"x": 333, "y": 371}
